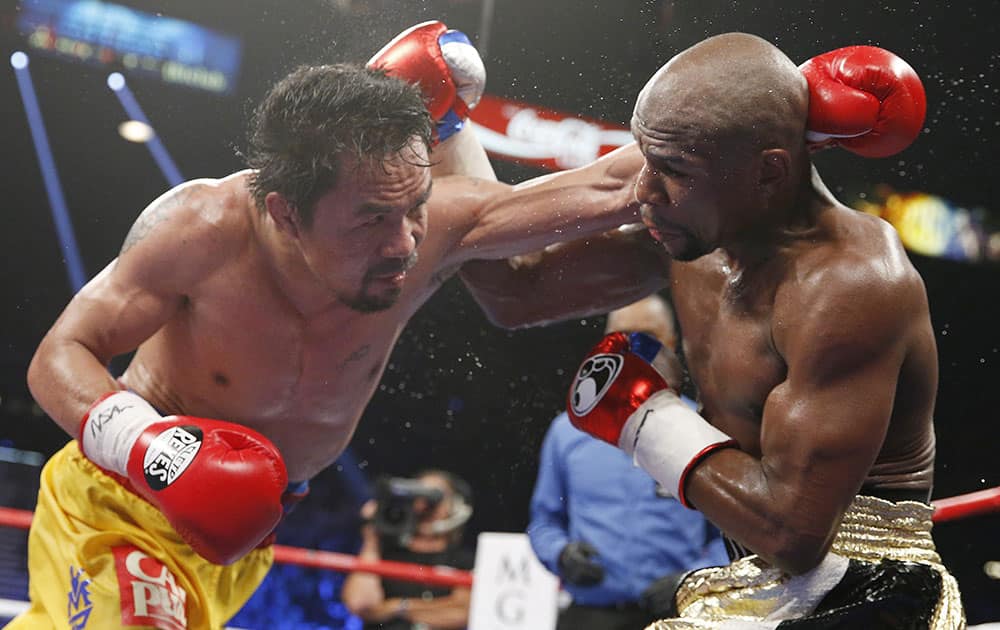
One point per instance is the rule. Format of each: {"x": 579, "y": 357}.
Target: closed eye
{"x": 374, "y": 220}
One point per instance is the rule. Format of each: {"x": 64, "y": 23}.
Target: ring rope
{"x": 319, "y": 559}
{"x": 948, "y": 509}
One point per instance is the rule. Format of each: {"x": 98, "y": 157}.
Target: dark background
{"x": 459, "y": 393}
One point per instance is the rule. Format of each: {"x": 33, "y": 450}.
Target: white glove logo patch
{"x": 169, "y": 454}
{"x": 593, "y": 380}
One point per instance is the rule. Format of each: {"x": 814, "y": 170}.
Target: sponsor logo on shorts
{"x": 148, "y": 592}
{"x": 169, "y": 455}
{"x": 78, "y": 606}
{"x": 593, "y": 380}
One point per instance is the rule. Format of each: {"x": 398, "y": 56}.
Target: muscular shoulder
{"x": 857, "y": 292}
{"x": 191, "y": 228}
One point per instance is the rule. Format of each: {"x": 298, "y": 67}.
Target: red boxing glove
{"x": 613, "y": 381}
{"x": 620, "y": 397}
{"x": 445, "y": 65}
{"x": 865, "y": 99}
{"x": 219, "y": 484}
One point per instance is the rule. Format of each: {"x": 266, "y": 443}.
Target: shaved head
{"x": 722, "y": 129}
{"x": 730, "y": 90}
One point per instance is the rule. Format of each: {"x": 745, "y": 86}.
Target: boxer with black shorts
{"x": 806, "y": 330}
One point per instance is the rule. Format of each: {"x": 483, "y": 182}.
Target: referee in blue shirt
{"x": 599, "y": 524}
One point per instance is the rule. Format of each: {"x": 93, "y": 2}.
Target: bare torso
{"x": 728, "y": 323}
{"x": 237, "y": 350}
{"x": 248, "y": 315}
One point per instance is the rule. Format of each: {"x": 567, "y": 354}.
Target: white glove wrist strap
{"x": 111, "y": 428}
{"x": 665, "y": 437}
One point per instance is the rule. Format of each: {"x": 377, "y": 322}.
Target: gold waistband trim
{"x": 873, "y": 529}
{"x": 750, "y": 590}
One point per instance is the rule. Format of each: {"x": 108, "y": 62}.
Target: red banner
{"x": 528, "y": 134}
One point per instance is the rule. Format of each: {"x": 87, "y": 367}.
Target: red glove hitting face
{"x": 865, "y": 99}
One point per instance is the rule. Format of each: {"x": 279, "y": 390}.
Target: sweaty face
{"x": 674, "y": 193}
{"x": 367, "y": 229}
{"x": 686, "y": 188}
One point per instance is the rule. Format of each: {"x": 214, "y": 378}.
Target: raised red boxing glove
{"x": 219, "y": 484}
{"x": 865, "y": 99}
{"x": 619, "y": 396}
{"x": 445, "y": 65}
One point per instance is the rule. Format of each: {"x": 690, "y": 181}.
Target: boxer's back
{"x": 732, "y": 325}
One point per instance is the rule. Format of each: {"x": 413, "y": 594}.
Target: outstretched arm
{"x": 477, "y": 219}
{"x": 585, "y": 277}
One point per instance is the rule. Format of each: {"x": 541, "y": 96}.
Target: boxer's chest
{"x": 241, "y": 350}
{"x": 726, "y": 332}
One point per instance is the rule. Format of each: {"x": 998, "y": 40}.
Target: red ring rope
{"x": 966, "y": 505}
{"x": 410, "y": 572}
{"x": 949, "y": 509}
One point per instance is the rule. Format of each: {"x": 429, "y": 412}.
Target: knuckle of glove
{"x": 226, "y": 496}
{"x": 415, "y": 57}
{"x": 612, "y": 382}
{"x": 866, "y": 98}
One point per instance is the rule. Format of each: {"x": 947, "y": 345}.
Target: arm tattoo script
{"x": 357, "y": 355}
{"x": 153, "y": 216}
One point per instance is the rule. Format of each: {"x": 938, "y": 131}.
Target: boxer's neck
{"x": 781, "y": 227}
{"x": 292, "y": 275}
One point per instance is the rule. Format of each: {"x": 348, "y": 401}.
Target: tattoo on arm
{"x": 153, "y": 216}
{"x": 357, "y": 355}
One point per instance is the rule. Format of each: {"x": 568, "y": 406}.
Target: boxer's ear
{"x": 774, "y": 170}
{"x": 284, "y": 214}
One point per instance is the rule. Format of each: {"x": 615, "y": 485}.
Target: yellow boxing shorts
{"x": 100, "y": 557}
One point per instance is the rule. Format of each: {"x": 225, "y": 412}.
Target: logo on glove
{"x": 593, "y": 380}
{"x": 169, "y": 455}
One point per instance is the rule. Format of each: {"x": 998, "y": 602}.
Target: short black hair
{"x": 317, "y": 115}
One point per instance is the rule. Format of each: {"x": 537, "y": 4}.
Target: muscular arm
{"x": 479, "y": 219}
{"x": 584, "y": 277}
{"x": 167, "y": 250}
{"x": 843, "y": 339}
{"x": 461, "y": 154}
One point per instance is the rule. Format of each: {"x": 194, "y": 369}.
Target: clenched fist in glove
{"x": 219, "y": 484}
{"x": 619, "y": 396}
{"x": 865, "y": 99}
{"x": 445, "y": 65}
